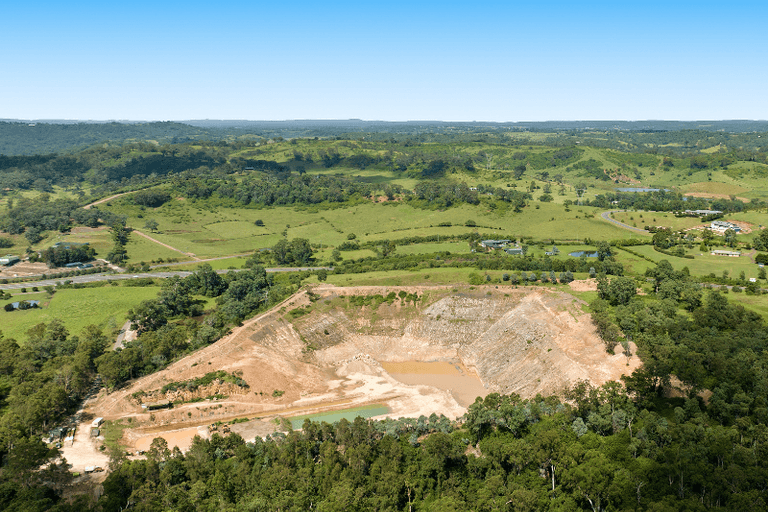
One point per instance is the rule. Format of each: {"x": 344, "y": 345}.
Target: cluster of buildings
{"x": 492, "y": 245}
{"x": 9, "y": 260}
{"x": 720, "y": 226}
{"x": 702, "y": 213}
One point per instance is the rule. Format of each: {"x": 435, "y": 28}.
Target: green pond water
{"x": 367, "y": 411}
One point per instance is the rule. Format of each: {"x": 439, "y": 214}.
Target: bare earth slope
{"x": 330, "y": 354}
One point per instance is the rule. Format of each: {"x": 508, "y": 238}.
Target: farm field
{"x": 703, "y": 263}
{"x": 436, "y": 276}
{"x": 426, "y": 248}
{"x": 98, "y": 238}
{"x": 756, "y": 303}
{"x": 656, "y": 219}
{"x": 634, "y": 264}
{"x": 105, "y": 307}
{"x": 713, "y": 187}
{"x": 209, "y": 232}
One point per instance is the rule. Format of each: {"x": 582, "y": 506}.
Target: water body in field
{"x": 578, "y": 254}
{"x": 455, "y": 378}
{"x": 367, "y": 411}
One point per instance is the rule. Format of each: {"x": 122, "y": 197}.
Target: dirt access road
{"x": 100, "y": 201}
{"x": 106, "y": 199}
{"x": 188, "y": 254}
{"x": 84, "y": 450}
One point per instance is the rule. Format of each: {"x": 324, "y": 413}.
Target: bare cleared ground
{"x": 84, "y": 450}
{"x": 583, "y": 285}
{"x": 419, "y": 357}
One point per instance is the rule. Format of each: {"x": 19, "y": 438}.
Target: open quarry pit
{"x": 406, "y": 351}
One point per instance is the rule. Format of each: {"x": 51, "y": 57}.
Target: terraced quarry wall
{"x": 525, "y": 340}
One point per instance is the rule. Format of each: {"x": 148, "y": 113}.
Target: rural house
{"x": 494, "y": 244}
{"x": 721, "y": 226}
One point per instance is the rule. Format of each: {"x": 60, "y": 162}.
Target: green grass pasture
{"x": 452, "y": 247}
{"x": 77, "y": 308}
{"x": 714, "y": 187}
{"x": 667, "y": 220}
{"x": 756, "y": 303}
{"x": 702, "y": 264}
{"x": 211, "y": 231}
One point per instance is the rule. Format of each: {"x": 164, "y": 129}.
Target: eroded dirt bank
{"x": 330, "y": 348}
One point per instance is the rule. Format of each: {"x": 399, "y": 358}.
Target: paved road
{"x": 91, "y": 278}
{"x": 122, "y": 335}
{"x": 607, "y": 216}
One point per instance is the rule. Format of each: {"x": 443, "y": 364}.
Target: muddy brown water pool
{"x": 453, "y": 377}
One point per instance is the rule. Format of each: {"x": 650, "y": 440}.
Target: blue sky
{"x": 496, "y": 61}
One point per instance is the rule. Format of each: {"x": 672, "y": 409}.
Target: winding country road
{"x": 607, "y": 216}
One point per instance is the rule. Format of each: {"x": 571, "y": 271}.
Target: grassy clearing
{"x": 633, "y": 264}
{"x": 98, "y": 238}
{"x": 141, "y": 249}
{"x": 432, "y": 276}
{"x": 667, "y": 220}
{"x": 756, "y": 303}
{"x": 452, "y": 247}
{"x": 374, "y": 176}
{"x": 78, "y": 308}
{"x": 208, "y": 231}
{"x": 58, "y": 193}
{"x": 585, "y": 296}
{"x": 113, "y": 432}
{"x": 703, "y": 263}
{"x": 713, "y": 187}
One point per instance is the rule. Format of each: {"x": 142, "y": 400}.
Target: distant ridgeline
{"x": 25, "y": 137}
{"x": 29, "y": 138}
